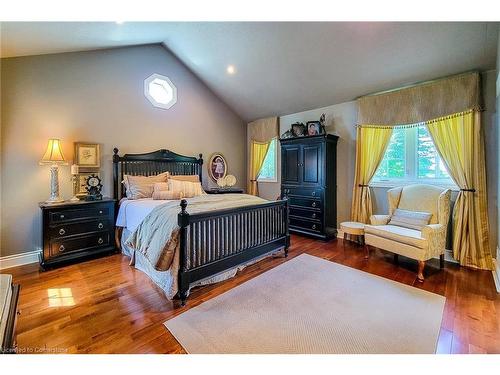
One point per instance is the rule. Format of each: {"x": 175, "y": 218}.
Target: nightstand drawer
{"x": 63, "y": 246}
{"x": 70, "y": 229}
{"x": 78, "y": 214}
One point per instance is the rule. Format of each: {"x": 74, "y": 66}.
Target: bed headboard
{"x": 150, "y": 164}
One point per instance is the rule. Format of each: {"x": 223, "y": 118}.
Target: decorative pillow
{"x": 166, "y": 195}
{"x": 160, "y": 186}
{"x": 185, "y": 177}
{"x": 187, "y": 189}
{"x": 142, "y": 186}
{"x": 410, "y": 219}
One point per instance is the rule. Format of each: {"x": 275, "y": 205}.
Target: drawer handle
{"x": 62, "y": 248}
{"x": 313, "y": 204}
{"x": 314, "y": 216}
{"x": 313, "y": 193}
{"x": 62, "y": 232}
{"x": 61, "y": 216}
{"x": 100, "y": 241}
{"x": 100, "y": 226}
{"x": 100, "y": 211}
{"x": 314, "y": 226}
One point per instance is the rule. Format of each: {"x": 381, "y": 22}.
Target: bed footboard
{"x": 216, "y": 241}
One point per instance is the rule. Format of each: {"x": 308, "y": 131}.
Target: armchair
{"x": 421, "y": 245}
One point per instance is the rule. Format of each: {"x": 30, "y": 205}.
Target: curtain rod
{"x": 417, "y": 84}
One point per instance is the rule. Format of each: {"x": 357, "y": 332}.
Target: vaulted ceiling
{"x": 283, "y": 68}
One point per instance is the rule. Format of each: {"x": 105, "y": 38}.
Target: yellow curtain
{"x": 460, "y": 143}
{"x": 370, "y": 148}
{"x": 258, "y": 153}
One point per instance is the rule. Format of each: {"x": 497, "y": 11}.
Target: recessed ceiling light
{"x": 230, "y": 69}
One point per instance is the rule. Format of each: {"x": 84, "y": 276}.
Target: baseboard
{"x": 16, "y": 260}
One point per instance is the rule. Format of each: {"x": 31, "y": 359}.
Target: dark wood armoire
{"x": 309, "y": 179}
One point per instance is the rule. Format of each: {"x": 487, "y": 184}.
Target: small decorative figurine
{"x": 94, "y": 188}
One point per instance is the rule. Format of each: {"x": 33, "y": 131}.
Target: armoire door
{"x": 312, "y": 163}
{"x": 290, "y": 160}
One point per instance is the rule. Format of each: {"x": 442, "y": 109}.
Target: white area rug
{"x": 311, "y": 305}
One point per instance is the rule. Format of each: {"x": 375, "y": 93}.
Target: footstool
{"x": 353, "y": 228}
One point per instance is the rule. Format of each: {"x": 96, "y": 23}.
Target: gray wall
{"x": 341, "y": 119}
{"x": 498, "y": 151}
{"x": 98, "y": 97}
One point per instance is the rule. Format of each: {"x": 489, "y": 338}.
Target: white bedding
{"x": 133, "y": 211}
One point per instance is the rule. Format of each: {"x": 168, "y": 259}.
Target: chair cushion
{"x": 399, "y": 234}
{"x": 410, "y": 219}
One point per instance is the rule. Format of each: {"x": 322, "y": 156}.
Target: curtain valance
{"x": 423, "y": 102}
{"x": 263, "y": 130}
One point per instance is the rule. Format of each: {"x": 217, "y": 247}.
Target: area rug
{"x": 311, "y": 305}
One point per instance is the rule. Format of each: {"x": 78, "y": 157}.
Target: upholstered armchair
{"x": 421, "y": 245}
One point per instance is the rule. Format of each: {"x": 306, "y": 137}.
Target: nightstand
{"x": 224, "y": 191}
{"x": 75, "y": 230}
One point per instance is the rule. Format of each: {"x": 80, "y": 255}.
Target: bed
{"x": 211, "y": 243}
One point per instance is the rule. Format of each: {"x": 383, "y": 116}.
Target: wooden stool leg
{"x": 420, "y": 274}
{"x": 345, "y": 239}
{"x": 441, "y": 261}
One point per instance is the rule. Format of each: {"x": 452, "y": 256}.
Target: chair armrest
{"x": 431, "y": 230}
{"x": 435, "y": 234}
{"x": 379, "y": 219}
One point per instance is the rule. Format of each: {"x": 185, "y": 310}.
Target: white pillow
{"x": 410, "y": 219}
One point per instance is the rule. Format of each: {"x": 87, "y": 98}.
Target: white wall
{"x": 98, "y": 97}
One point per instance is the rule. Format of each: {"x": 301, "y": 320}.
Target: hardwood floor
{"x": 106, "y": 306}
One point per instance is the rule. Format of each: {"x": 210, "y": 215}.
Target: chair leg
{"x": 420, "y": 274}
{"x": 396, "y": 258}
{"x": 345, "y": 239}
{"x": 367, "y": 251}
{"x": 441, "y": 261}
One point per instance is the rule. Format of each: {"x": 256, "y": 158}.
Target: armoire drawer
{"x": 69, "y": 245}
{"x": 306, "y": 213}
{"x": 306, "y": 225}
{"x": 315, "y": 204}
{"x": 303, "y": 192}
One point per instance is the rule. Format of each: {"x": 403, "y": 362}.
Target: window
{"x": 160, "y": 91}
{"x": 268, "y": 171}
{"x": 411, "y": 157}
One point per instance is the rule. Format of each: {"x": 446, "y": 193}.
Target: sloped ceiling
{"x": 283, "y": 68}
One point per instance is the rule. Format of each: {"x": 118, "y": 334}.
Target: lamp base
{"x": 54, "y": 186}
{"x": 54, "y": 200}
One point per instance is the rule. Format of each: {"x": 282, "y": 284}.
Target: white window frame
{"x": 166, "y": 81}
{"x": 411, "y": 162}
{"x": 275, "y": 178}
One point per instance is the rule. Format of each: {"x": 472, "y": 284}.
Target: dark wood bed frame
{"x": 214, "y": 241}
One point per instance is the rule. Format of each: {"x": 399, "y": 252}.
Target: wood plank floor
{"x": 105, "y": 306}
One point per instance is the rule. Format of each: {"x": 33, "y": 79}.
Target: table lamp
{"x": 54, "y": 157}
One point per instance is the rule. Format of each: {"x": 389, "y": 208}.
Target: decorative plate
{"x": 230, "y": 180}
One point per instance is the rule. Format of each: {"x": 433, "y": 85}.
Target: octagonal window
{"x": 160, "y": 91}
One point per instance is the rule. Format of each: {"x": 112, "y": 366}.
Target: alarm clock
{"x": 94, "y": 188}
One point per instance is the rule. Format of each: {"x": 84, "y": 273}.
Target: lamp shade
{"x": 53, "y": 154}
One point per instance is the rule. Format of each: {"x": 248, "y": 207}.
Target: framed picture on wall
{"x": 217, "y": 166}
{"x": 87, "y": 155}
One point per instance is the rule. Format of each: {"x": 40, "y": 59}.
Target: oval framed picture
{"x": 217, "y": 166}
